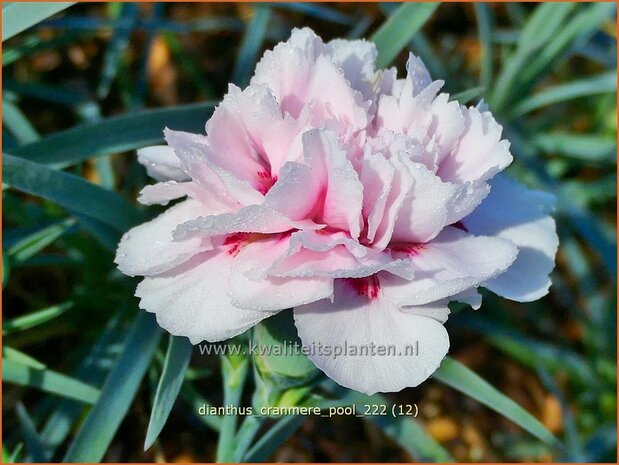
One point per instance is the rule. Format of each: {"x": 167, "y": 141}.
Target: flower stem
{"x": 234, "y": 374}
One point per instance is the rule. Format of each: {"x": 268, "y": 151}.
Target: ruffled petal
{"x": 150, "y": 249}
{"x": 192, "y": 300}
{"x": 197, "y": 159}
{"x": 299, "y": 72}
{"x": 162, "y": 163}
{"x": 520, "y": 215}
{"x": 342, "y": 331}
{"x": 251, "y": 219}
{"x": 480, "y": 152}
{"x": 453, "y": 262}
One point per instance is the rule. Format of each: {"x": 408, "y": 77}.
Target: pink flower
{"x": 365, "y": 202}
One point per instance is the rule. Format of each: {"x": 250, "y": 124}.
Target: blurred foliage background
{"x": 81, "y": 375}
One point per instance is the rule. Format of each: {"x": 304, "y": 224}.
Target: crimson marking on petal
{"x": 234, "y": 243}
{"x": 410, "y": 248}
{"x": 367, "y": 287}
{"x": 265, "y": 181}
{"x": 460, "y": 225}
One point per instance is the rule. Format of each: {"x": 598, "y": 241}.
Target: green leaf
{"x": 34, "y": 444}
{"x": 11, "y": 457}
{"x": 399, "y": 29}
{"x": 485, "y": 27}
{"x": 118, "y": 134}
{"x": 582, "y": 24}
{"x": 19, "y": 16}
{"x": 174, "y": 368}
{"x": 273, "y": 438}
{"x": 16, "y": 122}
{"x": 19, "y": 357}
{"x": 93, "y": 368}
{"x": 542, "y": 24}
{"x": 234, "y": 372}
{"x": 49, "y": 381}
{"x": 195, "y": 400}
{"x": 250, "y": 45}
{"x": 121, "y": 386}
{"x": 404, "y": 430}
{"x": 586, "y": 147}
{"x": 459, "y": 377}
{"x": 69, "y": 191}
{"x": 6, "y": 269}
{"x": 39, "y": 317}
{"x": 467, "y": 95}
{"x": 34, "y": 243}
{"x": 605, "y": 83}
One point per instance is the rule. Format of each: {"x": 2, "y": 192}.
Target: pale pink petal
{"x": 376, "y": 177}
{"x": 198, "y": 159}
{"x": 273, "y": 293}
{"x": 453, "y": 262}
{"x": 162, "y": 163}
{"x": 299, "y": 73}
{"x": 150, "y": 249}
{"x": 363, "y": 321}
{"x": 343, "y": 198}
{"x": 433, "y": 204}
{"x": 400, "y": 188}
{"x": 520, "y": 215}
{"x": 480, "y": 153}
{"x": 251, "y": 219}
{"x": 357, "y": 59}
{"x": 192, "y": 300}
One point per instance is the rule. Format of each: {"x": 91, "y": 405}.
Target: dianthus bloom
{"x": 365, "y": 202}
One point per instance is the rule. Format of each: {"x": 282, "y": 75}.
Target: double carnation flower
{"x": 365, "y": 202}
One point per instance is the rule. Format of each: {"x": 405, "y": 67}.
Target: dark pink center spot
{"x": 265, "y": 181}
{"x": 234, "y": 242}
{"x": 367, "y": 287}
{"x": 410, "y": 248}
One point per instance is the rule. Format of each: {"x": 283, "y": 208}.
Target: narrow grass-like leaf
{"x": 37, "y": 241}
{"x": 404, "y": 430}
{"x": 250, "y": 45}
{"x": 399, "y": 29}
{"x": 316, "y": 10}
{"x": 485, "y": 27}
{"x": 92, "y": 368}
{"x": 121, "y": 386}
{"x": 542, "y": 24}
{"x": 6, "y": 267}
{"x": 467, "y": 95}
{"x": 49, "y": 381}
{"x": 19, "y": 16}
{"x": 19, "y": 357}
{"x": 459, "y": 377}
{"x": 17, "y": 123}
{"x": 602, "y": 84}
{"x": 30, "y": 320}
{"x": 34, "y": 444}
{"x": 581, "y": 25}
{"x": 13, "y": 456}
{"x": 195, "y": 400}
{"x": 530, "y": 352}
{"x": 273, "y": 438}
{"x": 585, "y": 147}
{"x": 117, "y": 46}
{"x": 69, "y": 191}
{"x": 172, "y": 375}
{"x": 117, "y": 134}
